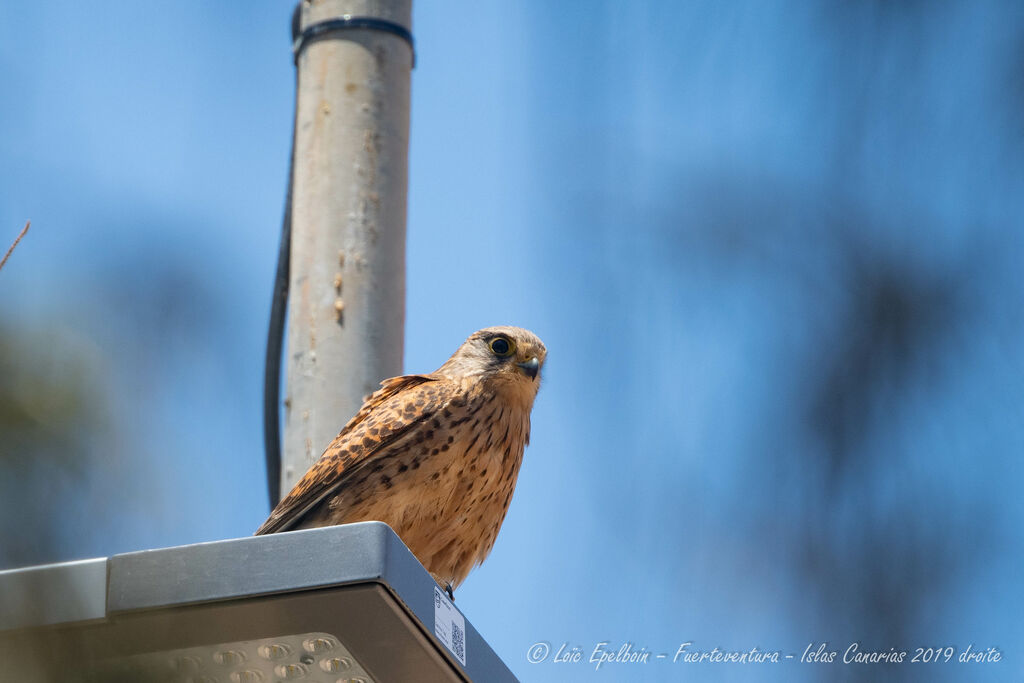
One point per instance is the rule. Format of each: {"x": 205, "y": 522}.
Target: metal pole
{"x": 346, "y": 311}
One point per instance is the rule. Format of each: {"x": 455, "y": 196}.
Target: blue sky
{"x": 773, "y": 249}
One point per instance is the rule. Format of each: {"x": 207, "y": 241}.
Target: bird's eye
{"x": 501, "y": 346}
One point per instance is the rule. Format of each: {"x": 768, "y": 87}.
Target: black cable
{"x": 272, "y": 365}
{"x": 275, "y": 331}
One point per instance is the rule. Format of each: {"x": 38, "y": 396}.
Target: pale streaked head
{"x": 504, "y": 352}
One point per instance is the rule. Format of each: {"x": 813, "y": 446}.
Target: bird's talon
{"x": 449, "y": 591}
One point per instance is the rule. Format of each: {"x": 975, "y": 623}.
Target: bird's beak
{"x": 530, "y": 367}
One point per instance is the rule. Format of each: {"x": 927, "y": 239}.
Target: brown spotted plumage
{"x": 434, "y": 456}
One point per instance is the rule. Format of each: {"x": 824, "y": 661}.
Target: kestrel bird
{"x": 434, "y": 456}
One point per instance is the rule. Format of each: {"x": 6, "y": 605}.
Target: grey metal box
{"x": 340, "y": 603}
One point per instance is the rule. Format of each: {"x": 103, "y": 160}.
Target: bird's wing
{"x": 388, "y": 414}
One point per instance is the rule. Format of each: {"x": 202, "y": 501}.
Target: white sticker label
{"x": 449, "y": 625}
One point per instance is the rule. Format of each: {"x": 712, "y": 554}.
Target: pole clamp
{"x": 344, "y": 23}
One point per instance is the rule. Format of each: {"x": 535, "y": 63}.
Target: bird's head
{"x": 500, "y": 353}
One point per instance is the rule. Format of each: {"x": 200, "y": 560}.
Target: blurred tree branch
{"x": 18, "y": 239}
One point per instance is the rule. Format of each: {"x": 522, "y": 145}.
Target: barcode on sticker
{"x": 449, "y": 625}
{"x": 459, "y": 643}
